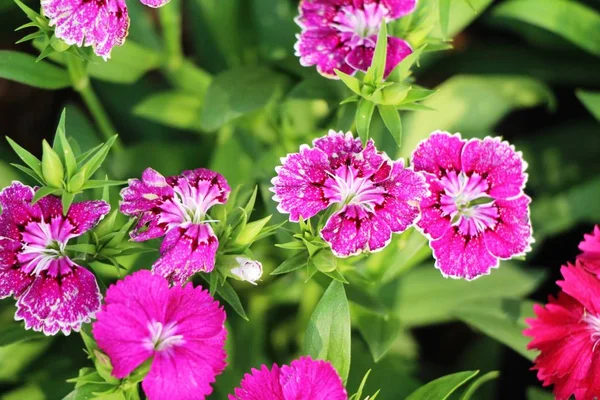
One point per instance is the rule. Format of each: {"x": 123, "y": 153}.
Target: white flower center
{"x": 162, "y": 337}
{"x": 593, "y": 322}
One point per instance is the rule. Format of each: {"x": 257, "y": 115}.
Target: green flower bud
{"x": 394, "y": 94}
{"x": 325, "y": 261}
{"x": 52, "y": 167}
{"x": 58, "y": 45}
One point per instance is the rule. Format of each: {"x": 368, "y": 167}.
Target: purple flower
{"x": 303, "y": 379}
{"x": 177, "y": 207}
{"x": 53, "y": 293}
{"x": 101, "y": 24}
{"x": 341, "y": 34}
{"x": 477, "y": 212}
{"x": 182, "y": 329}
{"x": 374, "y": 196}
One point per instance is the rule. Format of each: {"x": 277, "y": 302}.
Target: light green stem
{"x": 81, "y": 83}
{"x": 170, "y": 21}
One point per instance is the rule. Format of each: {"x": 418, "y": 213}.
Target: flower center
{"x": 466, "y": 201}
{"x": 345, "y": 186}
{"x": 190, "y": 203}
{"x": 360, "y": 23}
{"x": 42, "y": 244}
{"x": 594, "y": 325}
{"x": 162, "y": 337}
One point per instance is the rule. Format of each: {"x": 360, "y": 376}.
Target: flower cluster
{"x": 342, "y": 34}
{"x": 53, "y": 293}
{"x": 567, "y": 329}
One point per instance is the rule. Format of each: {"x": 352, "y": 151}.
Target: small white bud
{"x": 247, "y": 270}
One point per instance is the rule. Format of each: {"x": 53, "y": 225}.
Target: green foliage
{"x": 442, "y": 388}
{"x": 22, "y": 68}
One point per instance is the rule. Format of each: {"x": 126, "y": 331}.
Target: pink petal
{"x": 186, "y": 250}
{"x": 154, "y": 3}
{"x": 298, "y": 186}
{"x": 13, "y": 281}
{"x": 16, "y": 204}
{"x": 458, "y": 256}
{"x": 581, "y": 285}
{"x": 433, "y": 223}
{"x": 397, "y": 50}
{"x": 512, "y": 234}
{"x": 344, "y": 149}
{"x": 208, "y": 187}
{"x": 360, "y": 57}
{"x": 590, "y": 247}
{"x": 60, "y": 303}
{"x": 438, "y": 153}
{"x": 86, "y": 214}
{"x": 260, "y": 384}
{"x": 400, "y": 8}
{"x": 307, "y": 379}
{"x": 499, "y": 162}
{"x": 78, "y": 22}
{"x": 146, "y": 194}
{"x": 353, "y": 230}
{"x": 316, "y": 14}
{"x": 51, "y": 206}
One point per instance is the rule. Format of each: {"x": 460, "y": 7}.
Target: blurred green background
{"x": 528, "y": 70}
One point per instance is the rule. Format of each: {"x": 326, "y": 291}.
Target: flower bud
{"x": 394, "y": 94}
{"x": 247, "y": 270}
{"x": 58, "y": 44}
{"x": 52, "y": 167}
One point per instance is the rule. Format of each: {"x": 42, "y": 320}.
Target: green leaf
{"x": 403, "y": 69}
{"x": 63, "y": 148}
{"x": 291, "y": 264}
{"x": 534, "y": 393}
{"x": 52, "y": 167}
{"x": 174, "y": 108}
{"x": 66, "y": 200}
{"x": 23, "y": 68}
{"x": 379, "y": 331}
{"x": 364, "y": 113}
{"x": 374, "y": 75}
{"x": 43, "y": 192}
{"x": 444, "y": 10}
{"x": 477, "y": 384}
{"x": 392, "y": 122}
{"x": 324, "y": 261}
{"x": 473, "y": 105}
{"x": 424, "y": 297}
{"x": 501, "y": 319}
{"x": 190, "y": 78}
{"x": 351, "y": 82}
{"x": 87, "y": 248}
{"x": 328, "y": 333}
{"x": 591, "y": 100}
{"x": 251, "y": 231}
{"x": 14, "y": 333}
{"x": 29, "y": 172}
{"x": 228, "y": 294}
{"x": 442, "y": 388}
{"x": 28, "y": 158}
{"x": 93, "y": 183}
{"x": 568, "y": 19}
{"x": 238, "y": 92}
{"x": 127, "y": 63}
{"x": 95, "y": 161}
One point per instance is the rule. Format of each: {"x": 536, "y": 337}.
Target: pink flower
{"x": 341, "y": 34}
{"x": 53, "y": 293}
{"x": 303, "y": 379}
{"x": 590, "y": 248}
{"x": 477, "y": 212}
{"x": 181, "y": 328}
{"x": 101, "y": 24}
{"x": 177, "y": 207}
{"x": 567, "y": 333}
{"x": 374, "y": 196}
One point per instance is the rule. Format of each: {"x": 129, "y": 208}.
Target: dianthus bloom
{"x": 342, "y": 34}
{"x": 53, "y": 293}
{"x": 181, "y": 328}
{"x": 303, "y": 379}
{"x": 567, "y": 334}
{"x": 177, "y": 207}
{"x": 101, "y": 24}
{"x": 374, "y": 196}
{"x": 590, "y": 248}
{"x": 477, "y": 212}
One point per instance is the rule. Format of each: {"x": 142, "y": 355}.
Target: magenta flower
{"x": 181, "y": 328}
{"x": 590, "y": 248}
{"x": 53, "y": 293}
{"x": 303, "y": 379}
{"x": 101, "y": 24}
{"x": 567, "y": 334}
{"x": 177, "y": 207}
{"x": 341, "y": 34}
{"x": 477, "y": 212}
{"x": 374, "y": 196}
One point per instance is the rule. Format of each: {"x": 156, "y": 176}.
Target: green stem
{"x": 170, "y": 21}
{"x": 81, "y": 83}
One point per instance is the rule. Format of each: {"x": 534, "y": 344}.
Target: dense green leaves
{"x": 174, "y": 108}
{"x": 502, "y": 319}
{"x": 569, "y": 19}
{"x": 328, "y": 333}
{"x": 127, "y": 63}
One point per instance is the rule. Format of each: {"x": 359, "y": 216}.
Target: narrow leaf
{"x": 291, "y": 264}
{"x": 444, "y": 9}
{"x": 93, "y": 184}
{"x": 591, "y": 100}
{"x": 67, "y": 199}
{"x": 43, "y": 192}
{"x": 62, "y": 146}
{"x": 391, "y": 119}
{"x": 477, "y": 384}
{"x": 28, "y": 158}
{"x": 364, "y": 113}
{"x": 374, "y": 75}
{"x": 328, "y": 333}
{"x": 442, "y": 388}
{"x": 350, "y": 81}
